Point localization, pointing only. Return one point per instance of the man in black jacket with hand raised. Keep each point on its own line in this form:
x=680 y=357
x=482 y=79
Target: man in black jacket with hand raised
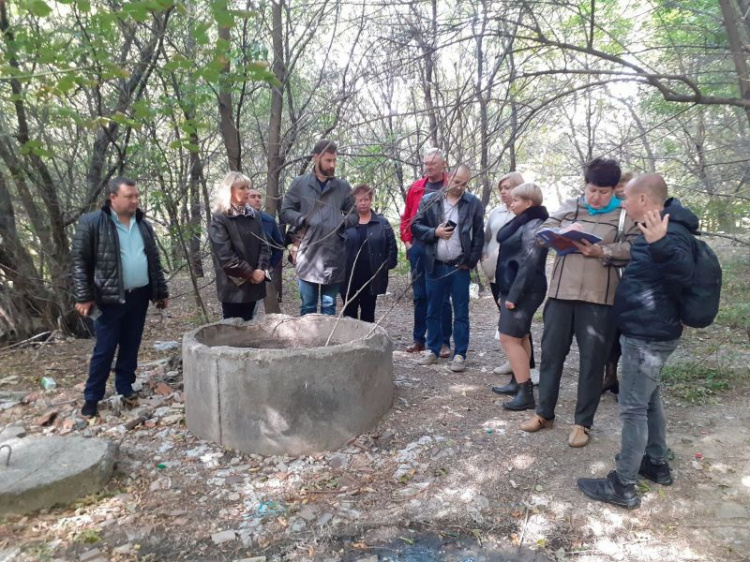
x=647 y=312
x=116 y=271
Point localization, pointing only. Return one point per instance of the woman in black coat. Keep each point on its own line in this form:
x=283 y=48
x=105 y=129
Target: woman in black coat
x=240 y=252
x=521 y=283
x=370 y=253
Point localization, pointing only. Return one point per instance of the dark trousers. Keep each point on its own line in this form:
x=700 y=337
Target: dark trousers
x=419 y=289
x=362 y=305
x=118 y=328
x=244 y=310
x=594 y=329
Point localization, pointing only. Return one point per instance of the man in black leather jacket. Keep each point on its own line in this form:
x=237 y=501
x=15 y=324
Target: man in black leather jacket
x=116 y=271
x=450 y=224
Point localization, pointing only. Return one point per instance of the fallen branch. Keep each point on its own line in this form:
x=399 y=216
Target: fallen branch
x=24 y=342
x=135 y=422
x=728 y=237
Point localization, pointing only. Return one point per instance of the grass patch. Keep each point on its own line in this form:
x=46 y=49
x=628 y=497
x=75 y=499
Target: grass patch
x=89 y=536
x=697 y=383
x=735 y=294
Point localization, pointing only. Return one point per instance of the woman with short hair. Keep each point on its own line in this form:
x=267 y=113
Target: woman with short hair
x=580 y=297
x=521 y=283
x=240 y=252
x=370 y=253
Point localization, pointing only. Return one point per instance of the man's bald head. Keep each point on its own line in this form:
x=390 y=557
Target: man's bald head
x=644 y=193
x=652 y=185
x=458 y=179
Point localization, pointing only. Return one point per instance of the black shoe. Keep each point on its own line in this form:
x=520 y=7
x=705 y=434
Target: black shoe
x=90 y=409
x=511 y=388
x=609 y=490
x=610 y=379
x=524 y=399
x=658 y=473
x=130 y=400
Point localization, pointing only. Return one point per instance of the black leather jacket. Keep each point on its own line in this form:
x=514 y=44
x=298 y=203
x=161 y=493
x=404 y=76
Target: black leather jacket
x=96 y=260
x=471 y=223
x=239 y=247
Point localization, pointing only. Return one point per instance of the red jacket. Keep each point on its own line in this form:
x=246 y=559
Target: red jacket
x=413 y=197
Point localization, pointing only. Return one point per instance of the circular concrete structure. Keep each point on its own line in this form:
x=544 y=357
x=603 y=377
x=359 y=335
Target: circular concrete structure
x=272 y=386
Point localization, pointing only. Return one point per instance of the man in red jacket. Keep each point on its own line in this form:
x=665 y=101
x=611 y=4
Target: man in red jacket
x=434 y=178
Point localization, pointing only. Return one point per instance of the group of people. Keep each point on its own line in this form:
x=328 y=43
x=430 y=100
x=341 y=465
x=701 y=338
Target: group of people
x=340 y=246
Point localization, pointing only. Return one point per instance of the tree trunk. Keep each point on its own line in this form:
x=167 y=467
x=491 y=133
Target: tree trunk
x=229 y=131
x=275 y=155
x=732 y=18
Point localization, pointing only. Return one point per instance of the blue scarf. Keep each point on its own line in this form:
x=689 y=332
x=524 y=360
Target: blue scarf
x=614 y=203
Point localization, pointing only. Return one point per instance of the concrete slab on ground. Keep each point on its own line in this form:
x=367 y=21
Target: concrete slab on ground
x=48 y=471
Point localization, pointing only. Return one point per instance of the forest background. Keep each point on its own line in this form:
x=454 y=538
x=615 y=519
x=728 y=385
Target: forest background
x=175 y=94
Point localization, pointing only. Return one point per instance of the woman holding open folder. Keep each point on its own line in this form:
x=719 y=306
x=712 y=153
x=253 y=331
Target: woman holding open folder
x=580 y=295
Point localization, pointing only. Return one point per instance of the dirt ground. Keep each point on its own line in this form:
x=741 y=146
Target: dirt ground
x=446 y=475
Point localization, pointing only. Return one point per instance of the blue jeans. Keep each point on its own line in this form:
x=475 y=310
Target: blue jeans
x=309 y=293
x=419 y=289
x=644 y=426
x=447 y=280
x=119 y=328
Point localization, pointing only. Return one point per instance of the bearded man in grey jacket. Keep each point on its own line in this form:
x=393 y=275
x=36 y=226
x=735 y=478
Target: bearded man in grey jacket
x=319 y=208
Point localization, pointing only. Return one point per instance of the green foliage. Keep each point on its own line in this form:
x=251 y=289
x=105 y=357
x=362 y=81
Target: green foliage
x=735 y=294
x=697 y=382
x=89 y=536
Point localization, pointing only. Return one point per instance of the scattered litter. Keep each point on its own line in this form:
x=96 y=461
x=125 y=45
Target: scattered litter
x=166 y=345
x=265 y=509
x=48 y=383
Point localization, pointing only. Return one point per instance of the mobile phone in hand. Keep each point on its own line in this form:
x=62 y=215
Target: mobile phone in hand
x=450 y=224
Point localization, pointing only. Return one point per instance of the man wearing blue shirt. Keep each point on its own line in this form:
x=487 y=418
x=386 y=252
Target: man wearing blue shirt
x=116 y=271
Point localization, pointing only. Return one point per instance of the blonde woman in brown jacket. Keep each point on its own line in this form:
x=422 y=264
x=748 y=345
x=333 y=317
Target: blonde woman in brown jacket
x=580 y=297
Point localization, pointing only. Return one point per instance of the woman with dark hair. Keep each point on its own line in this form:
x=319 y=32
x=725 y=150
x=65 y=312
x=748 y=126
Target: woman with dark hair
x=370 y=253
x=580 y=297
x=521 y=283
x=240 y=252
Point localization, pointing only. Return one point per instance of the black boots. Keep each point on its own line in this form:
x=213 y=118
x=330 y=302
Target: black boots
x=659 y=473
x=610 y=379
x=511 y=388
x=90 y=409
x=609 y=490
x=524 y=399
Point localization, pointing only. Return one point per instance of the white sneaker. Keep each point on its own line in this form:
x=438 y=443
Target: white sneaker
x=503 y=369
x=429 y=359
x=458 y=364
x=535 y=376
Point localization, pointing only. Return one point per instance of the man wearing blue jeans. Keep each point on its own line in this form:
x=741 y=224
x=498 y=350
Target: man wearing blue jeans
x=319 y=208
x=450 y=224
x=647 y=312
x=116 y=271
x=434 y=180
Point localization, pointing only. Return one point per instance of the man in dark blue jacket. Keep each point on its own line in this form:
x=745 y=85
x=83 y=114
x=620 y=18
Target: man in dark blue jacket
x=450 y=224
x=647 y=312
x=270 y=228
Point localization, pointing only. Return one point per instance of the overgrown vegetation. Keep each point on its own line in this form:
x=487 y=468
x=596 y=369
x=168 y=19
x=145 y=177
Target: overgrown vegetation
x=735 y=307
x=697 y=383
